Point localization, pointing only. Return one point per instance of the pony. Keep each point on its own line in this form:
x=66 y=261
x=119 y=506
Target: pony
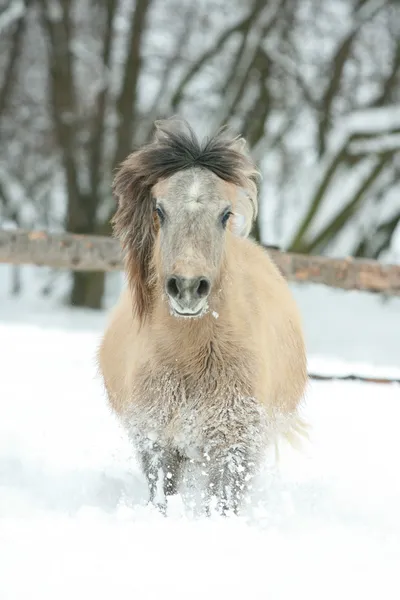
x=203 y=358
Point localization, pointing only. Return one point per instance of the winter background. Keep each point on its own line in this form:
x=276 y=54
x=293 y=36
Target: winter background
x=314 y=87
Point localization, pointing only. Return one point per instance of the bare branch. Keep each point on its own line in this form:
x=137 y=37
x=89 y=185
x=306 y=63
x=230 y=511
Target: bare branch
x=288 y=66
x=97 y=137
x=267 y=144
x=14 y=54
x=126 y=101
x=318 y=196
x=63 y=102
x=11 y=14
x=9 y=211
x=160 y=105
x=373 y=245
x=333 y=228
x=328 y=173
x=386 y=230
x=341 y=56
x=252 y=60
x=391 y=83
x=254 y=122
x=366 y=12
x=242 y=27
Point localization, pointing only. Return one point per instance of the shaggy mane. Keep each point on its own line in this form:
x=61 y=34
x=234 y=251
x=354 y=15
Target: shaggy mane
x=174 y=148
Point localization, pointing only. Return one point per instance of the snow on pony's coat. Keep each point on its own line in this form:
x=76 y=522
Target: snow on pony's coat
x=212 y=391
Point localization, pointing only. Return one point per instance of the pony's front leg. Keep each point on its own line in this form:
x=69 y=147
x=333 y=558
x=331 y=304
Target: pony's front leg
x=151 y=461
x=173 y=466
x=162 y=467
x=229 y=479
x=234 y=449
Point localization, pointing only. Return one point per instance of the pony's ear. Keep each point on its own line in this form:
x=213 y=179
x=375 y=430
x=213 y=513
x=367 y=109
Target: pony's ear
x=173 y=126
x=239 y=144
x=243 y=214
x=133 y=224
x=246 y=202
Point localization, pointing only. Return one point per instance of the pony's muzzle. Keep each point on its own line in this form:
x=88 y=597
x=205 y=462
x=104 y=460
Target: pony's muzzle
x=188 y=295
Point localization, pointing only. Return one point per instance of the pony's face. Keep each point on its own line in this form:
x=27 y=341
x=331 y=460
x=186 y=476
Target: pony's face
x=194 y=210
x=177 y=200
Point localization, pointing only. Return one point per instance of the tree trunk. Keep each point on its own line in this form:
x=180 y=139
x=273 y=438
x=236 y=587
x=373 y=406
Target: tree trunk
x=87 y=289
x=88 y=286
x=255 y=232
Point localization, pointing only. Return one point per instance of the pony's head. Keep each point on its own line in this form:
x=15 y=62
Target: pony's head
x=178 y=200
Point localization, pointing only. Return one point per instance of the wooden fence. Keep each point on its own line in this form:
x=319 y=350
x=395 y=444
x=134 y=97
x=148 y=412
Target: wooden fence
x=96 y=253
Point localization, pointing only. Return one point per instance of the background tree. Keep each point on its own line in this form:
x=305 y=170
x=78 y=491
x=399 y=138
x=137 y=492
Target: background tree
x=314 y=87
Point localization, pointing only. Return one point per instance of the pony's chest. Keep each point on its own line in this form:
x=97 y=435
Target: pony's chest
x=209 y=377
x=172 y=405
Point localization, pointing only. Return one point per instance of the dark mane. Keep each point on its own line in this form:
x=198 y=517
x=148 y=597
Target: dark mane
x=174 y=148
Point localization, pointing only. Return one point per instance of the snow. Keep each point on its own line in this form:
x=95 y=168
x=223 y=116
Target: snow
x=11 y=14
x=322 y=523
x=383 y=143
x=373 y=120
x=350 y=329
x=369 y=9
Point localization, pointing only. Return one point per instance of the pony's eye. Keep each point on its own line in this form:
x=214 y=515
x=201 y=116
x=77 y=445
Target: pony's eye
x=225 y=218
x=160 y=214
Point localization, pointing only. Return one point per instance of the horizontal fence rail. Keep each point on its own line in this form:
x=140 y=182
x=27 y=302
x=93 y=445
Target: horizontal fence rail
x=362 y=378
x=98 y=253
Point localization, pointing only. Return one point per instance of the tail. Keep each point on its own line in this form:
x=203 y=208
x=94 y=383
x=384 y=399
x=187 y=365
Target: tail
x=296 y=432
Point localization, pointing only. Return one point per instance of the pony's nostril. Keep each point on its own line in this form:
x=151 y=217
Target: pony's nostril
x=203 y=287
x=172 y=287
x=187 y=291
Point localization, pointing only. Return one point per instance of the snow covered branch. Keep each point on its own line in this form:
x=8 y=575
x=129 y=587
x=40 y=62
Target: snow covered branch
x=375 y=131
x=96 y=253
x=15 y=14
x=12 y=14
x=243 y=27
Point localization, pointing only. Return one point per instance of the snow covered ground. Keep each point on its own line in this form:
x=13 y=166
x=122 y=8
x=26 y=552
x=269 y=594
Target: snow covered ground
x=324 y=523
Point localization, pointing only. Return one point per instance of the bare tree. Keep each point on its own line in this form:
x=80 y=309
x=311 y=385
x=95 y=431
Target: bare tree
x=81 y=84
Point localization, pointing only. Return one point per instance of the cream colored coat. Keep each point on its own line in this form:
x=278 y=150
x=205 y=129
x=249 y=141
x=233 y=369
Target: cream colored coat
x=248 y=345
